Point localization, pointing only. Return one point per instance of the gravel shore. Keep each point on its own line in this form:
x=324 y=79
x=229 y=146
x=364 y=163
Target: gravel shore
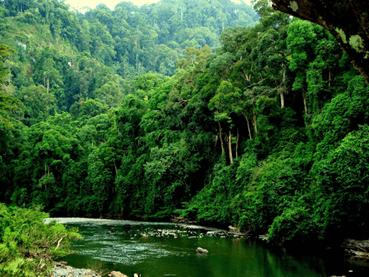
x=71 y=220
x=68 y=220
x=67 y=271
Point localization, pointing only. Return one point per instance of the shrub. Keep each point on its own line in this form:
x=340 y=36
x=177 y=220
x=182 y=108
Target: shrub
x=296 y=223
x=341 y=186
x=273 y=186
x=28 y=246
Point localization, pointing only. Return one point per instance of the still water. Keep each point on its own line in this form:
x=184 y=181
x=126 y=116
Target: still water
x=154 y=250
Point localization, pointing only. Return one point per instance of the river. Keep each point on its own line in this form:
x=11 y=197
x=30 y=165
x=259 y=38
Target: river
x=154 y=250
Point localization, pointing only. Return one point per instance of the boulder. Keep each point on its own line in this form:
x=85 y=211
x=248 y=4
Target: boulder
x=233 y=229
x=117 y=274
x=200 y=250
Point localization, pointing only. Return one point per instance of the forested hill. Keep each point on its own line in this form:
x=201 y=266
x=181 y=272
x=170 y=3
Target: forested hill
x=115 y=45
x=132 y=39
x=183 y=108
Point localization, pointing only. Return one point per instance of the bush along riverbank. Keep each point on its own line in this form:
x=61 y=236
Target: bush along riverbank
x=28 y=246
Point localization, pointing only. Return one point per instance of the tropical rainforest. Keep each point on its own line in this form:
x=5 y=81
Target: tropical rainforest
x=210 y=110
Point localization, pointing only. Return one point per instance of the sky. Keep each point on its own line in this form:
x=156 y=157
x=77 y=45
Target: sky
x=79 y=4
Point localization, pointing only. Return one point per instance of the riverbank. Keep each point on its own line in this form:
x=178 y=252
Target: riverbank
x=63 y=270
x=101 y=221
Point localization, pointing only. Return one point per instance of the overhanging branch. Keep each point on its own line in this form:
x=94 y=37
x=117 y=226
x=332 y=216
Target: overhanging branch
x=346 y=20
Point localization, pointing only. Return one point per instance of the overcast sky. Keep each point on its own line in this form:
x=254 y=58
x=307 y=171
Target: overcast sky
x=79 y=4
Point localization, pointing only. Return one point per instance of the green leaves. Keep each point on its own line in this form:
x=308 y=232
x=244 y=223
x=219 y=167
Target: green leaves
x=7 y=101
x=137 y=142
x=296 y=223
x=341 y=181
x=226 y=101
x=28 y=246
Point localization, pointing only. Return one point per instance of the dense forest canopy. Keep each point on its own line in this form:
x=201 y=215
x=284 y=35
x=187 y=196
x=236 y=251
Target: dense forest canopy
x=205 y=109
x=113 y=45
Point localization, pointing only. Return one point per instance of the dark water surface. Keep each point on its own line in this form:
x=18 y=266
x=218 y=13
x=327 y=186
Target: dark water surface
x=139 y=249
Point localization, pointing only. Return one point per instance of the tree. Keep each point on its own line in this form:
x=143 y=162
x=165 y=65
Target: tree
x=37 y=103
x=228 y=100
x=346 y=21
x=300 y=40
x=50 y=73
x=7 y=102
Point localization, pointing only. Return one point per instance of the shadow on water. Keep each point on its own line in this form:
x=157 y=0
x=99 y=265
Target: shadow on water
x=166 y=250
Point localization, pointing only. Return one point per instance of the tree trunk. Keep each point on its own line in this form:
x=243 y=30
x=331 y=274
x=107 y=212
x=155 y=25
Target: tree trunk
x=221 y=138
x=48 y=85
x=282 y=99
x=230 y=147
x=283 y=81
x=238 y=137
x=254 y=117
x=9 y=76
x=305 y=105
x=116 y=169
x=248 y=125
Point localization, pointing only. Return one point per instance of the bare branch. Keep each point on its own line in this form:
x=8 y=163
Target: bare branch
x=60 y=242
x=254 y=84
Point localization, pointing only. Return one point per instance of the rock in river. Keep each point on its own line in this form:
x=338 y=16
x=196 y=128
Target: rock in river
x=200 y=250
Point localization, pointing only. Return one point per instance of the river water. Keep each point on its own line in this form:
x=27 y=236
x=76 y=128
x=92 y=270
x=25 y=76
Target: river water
x=154 y=250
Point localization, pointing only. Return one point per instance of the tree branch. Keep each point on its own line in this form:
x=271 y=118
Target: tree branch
x=254 y=84
x=60 y=242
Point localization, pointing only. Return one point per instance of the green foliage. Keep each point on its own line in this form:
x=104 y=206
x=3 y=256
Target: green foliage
x=274 y=184
x=7 y=101
x=264 y=128
x=212 y=203
x=296 y=223
x=340 y=184
x=343 y=114
x=28 y=246
x=37 y=103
